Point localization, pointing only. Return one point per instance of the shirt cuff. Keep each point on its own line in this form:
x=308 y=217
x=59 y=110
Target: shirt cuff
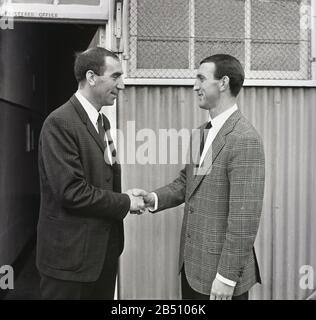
x=155 y=207
x=225 y=280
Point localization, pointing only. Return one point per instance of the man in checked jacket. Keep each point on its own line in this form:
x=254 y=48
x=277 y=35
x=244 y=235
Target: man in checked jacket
x=222 y=191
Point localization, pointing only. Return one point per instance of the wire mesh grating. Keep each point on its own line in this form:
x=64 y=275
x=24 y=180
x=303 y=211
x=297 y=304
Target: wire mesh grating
x=271 y=38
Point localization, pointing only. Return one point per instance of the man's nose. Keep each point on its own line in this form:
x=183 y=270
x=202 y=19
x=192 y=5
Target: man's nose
x=120 y=84
x=196 y=86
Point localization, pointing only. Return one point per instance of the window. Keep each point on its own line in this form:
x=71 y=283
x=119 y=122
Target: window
x=271 y=38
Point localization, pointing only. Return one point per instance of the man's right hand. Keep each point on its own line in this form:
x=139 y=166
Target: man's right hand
x=137 y=202
x=149 y=198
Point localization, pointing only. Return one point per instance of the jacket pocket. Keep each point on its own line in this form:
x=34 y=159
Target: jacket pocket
x=214 y=247
x=61 y=243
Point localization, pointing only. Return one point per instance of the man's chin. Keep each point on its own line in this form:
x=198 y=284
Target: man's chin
x=203 y=106
x=109 y=103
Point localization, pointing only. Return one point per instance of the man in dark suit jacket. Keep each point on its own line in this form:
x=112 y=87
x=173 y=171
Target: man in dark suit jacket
x=80 y=229
x=222 y=191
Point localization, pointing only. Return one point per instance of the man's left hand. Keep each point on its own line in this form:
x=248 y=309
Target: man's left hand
x=221 y=291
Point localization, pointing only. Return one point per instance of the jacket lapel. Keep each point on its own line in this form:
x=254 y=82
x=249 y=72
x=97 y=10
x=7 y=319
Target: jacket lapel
x=85 y=119
x=213 y=152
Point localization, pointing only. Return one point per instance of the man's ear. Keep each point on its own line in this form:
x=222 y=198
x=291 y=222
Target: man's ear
x=90 y=77
x=224 y=83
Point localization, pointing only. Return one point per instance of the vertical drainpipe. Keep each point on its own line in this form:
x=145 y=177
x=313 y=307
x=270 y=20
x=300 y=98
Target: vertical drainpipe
x=107 y=40
x=313 y=33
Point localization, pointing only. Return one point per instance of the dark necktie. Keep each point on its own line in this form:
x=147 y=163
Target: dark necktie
x=204 y=136
x=105 y=135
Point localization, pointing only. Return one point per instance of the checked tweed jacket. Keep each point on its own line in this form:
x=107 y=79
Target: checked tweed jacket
x=222 y=208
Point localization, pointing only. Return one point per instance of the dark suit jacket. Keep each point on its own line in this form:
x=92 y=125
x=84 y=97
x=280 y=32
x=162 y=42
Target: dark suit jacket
x=81 y=199
x=222 y=208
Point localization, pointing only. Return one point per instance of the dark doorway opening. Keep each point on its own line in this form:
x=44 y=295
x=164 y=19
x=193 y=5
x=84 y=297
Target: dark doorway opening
x=62 y=42
x=36 y=77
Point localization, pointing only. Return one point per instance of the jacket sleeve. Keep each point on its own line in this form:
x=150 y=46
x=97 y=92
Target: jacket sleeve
x=172 y=194
x=65 y=175
x=246 y=173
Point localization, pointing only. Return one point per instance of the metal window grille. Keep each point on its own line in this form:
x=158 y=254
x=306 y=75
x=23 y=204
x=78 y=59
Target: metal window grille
x=271 y=38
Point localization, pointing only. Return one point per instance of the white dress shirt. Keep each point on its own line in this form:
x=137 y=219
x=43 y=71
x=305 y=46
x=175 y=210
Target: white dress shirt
x=93 y=115
x=217 y=124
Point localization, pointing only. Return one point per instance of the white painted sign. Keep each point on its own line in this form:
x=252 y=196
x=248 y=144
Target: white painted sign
x=55 y=9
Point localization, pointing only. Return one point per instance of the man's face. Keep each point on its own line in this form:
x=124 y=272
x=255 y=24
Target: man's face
x=108 y=85
x=206 y=86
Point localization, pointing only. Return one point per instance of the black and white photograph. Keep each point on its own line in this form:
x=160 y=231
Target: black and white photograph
x=160 y=150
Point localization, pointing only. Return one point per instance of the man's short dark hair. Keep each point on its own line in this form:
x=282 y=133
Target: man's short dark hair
x=91 y=59
x=227 y=65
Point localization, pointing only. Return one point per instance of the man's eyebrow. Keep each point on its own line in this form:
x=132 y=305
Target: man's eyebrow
x=200 y=76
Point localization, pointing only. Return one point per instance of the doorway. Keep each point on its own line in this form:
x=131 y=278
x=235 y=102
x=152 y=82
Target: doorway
x=36 y=77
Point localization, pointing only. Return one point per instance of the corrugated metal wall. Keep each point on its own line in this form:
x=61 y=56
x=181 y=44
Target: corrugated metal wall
x=286 y=119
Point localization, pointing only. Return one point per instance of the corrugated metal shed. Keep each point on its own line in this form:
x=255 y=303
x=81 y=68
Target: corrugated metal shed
x=286 y=120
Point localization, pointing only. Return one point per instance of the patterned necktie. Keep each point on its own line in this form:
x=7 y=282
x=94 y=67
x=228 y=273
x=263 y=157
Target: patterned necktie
x=105 y=135
x=204 y=136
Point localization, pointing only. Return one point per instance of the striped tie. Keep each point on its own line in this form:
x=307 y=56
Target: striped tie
x=105 y=135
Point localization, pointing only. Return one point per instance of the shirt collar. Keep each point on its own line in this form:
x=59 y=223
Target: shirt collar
x=219 y=120
x=92 y=112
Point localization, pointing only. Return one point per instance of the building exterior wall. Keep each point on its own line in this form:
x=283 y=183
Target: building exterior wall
x=286 y=120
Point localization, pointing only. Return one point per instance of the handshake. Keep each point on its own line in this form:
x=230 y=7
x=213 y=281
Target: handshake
x=140 y=200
